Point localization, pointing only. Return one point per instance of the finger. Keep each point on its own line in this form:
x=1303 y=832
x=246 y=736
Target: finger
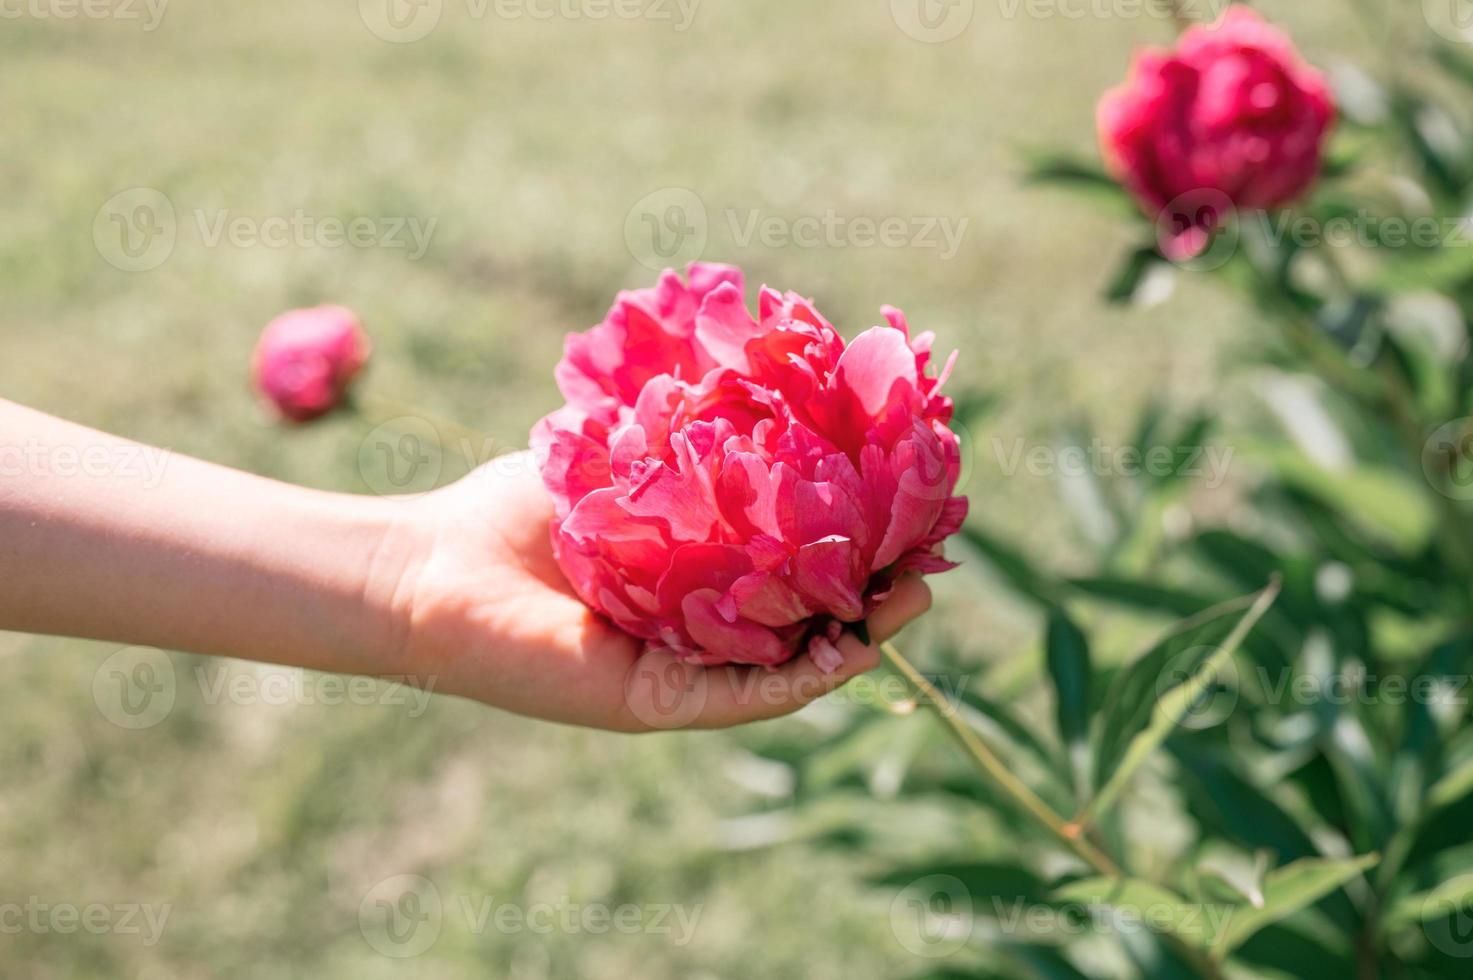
x=910 y=599
x=664 y=693
x=740 y=695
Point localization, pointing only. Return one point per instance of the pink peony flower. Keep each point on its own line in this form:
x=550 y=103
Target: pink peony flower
x=1233 y=118
x=734 y=489
x=306 y=359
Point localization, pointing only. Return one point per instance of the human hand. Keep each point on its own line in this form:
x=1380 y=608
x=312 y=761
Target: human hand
x=481 y=607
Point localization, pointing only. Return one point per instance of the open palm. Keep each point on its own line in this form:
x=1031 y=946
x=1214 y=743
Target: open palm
x=490 y=616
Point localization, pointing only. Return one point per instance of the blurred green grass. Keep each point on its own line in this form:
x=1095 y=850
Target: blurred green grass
x=528 y=142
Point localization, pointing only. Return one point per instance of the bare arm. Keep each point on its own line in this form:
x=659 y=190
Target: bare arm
x=106 y=539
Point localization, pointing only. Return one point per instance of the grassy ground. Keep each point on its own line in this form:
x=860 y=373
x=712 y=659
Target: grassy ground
x=530 y=144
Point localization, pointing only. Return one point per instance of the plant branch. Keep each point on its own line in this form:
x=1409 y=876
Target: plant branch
x=996 y=770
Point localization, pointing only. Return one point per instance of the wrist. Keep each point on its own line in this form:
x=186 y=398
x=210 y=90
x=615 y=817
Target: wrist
x=378 y=545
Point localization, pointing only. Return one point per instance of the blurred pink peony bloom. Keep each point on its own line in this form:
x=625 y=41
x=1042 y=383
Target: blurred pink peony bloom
x=306 y=359
x=1232 y=119
x=734 y=489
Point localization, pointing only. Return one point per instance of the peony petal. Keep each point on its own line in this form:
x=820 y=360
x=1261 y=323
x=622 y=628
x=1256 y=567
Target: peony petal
x=829 y=575
x=767 y=599
x=741 y=642
x=876 y=368
x=680 y=494
x=724 y=327
x=747 y=495
x=707 y=277
x=575 y=467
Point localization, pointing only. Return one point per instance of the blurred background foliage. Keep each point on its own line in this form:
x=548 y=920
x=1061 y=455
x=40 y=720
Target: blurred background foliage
x=529 y=142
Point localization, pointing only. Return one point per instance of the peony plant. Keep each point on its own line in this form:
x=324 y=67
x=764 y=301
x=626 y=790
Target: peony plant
x=1305 y=787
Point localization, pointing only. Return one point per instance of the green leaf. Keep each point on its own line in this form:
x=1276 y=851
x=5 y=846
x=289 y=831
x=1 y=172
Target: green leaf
x=1067 y=653
x=1084 y=177
x=1186 y=446
x=1407 y=271
x=1381 y=501
x=1426 y=124
x=997 y=723
x=1158 y=905
x=852 y=759
x=1056 y=168
x=1291 y=952
x=1013 y=566
x=1140 y=716
x=1452 y=786
x=1227 y=803
x=1144 y=596
x=1247 y=562
x=1128 y=284
x=1069 y=668
x=1362 y=776
x=1156 y=958
x=1453 y=61
x=982 y=882
x=1287 y=890
x=1045 y=963
x=1436 y=903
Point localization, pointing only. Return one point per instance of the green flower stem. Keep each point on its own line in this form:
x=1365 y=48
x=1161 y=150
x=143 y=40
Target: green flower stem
x=996 y=770
x=1072 y=835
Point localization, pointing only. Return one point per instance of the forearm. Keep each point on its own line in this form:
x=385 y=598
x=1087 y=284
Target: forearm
x=104 y=539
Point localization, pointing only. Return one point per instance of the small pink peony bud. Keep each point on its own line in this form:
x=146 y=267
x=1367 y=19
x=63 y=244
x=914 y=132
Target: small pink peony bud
x=306 y=359
x=1231 y=119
